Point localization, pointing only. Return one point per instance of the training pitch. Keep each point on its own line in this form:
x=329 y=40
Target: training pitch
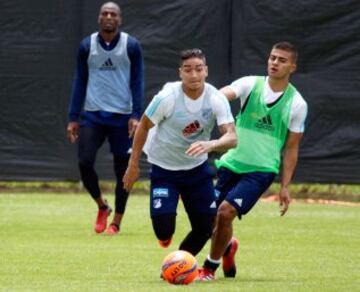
x=47 y=243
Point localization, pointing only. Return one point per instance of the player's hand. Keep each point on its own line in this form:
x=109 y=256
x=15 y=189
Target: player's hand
x=130 y=177
x=132 y=125
x=200 y=147
x=284 y=200
x=73 y=131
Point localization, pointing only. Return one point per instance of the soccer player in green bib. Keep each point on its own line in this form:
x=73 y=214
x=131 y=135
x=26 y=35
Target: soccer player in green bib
x=270 y=123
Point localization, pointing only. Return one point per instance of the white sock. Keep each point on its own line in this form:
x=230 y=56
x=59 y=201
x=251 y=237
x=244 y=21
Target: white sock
x=213 y=261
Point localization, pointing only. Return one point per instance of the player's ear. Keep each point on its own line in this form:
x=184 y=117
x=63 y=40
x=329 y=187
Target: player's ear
x=206 y=71
x=293 y=67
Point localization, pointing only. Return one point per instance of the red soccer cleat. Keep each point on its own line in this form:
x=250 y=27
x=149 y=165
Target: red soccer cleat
x=228 y=261
x=205 y=275
x=101 y=220
x=113 y=229
x=165 y=243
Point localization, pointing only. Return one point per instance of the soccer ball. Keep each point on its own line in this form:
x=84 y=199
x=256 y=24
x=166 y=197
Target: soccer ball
x=179 y=267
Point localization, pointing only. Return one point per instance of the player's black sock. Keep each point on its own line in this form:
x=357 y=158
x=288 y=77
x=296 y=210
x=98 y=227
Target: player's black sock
x=121 y=195
x=210 y=265
x=105 y=206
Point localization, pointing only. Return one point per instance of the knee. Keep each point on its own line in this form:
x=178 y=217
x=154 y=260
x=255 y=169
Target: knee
x=203 y=233
x=120 y=165
x=85 y=162
x=204 y=226
x=164 y=226
x=226 y=213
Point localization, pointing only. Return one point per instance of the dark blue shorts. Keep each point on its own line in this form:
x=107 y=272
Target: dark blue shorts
x=242 y=191
x=93 y=133
x=195 y=187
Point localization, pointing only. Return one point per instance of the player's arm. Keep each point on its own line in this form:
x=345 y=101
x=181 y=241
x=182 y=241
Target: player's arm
x=226 y=141
x=133 y=170
x=229 y=93
x=225 y=120
x=136 y=82
x=78 y=90
x=240 y=88
x=290 y=158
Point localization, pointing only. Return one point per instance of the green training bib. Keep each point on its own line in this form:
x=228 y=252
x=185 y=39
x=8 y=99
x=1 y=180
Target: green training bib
x=261 y=130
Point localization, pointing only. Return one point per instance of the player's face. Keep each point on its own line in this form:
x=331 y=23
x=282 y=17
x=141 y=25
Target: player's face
x=280 y=64
x=109 y=18
x=193 y=73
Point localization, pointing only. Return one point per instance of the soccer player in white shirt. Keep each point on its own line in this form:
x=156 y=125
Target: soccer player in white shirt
x=181 y=117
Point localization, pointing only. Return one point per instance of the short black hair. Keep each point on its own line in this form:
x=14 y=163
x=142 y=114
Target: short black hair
x=288 y=47
x=114 y=4
x=191 y=53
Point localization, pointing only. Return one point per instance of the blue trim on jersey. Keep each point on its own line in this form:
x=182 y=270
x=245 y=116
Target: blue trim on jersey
x=154 y=106
x=82 y=75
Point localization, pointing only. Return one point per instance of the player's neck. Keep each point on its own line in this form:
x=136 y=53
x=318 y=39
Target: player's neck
x=193 y=93
x=108 y=36
x=278 y=84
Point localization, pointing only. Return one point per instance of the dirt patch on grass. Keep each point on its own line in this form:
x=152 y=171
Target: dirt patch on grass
x=275 y=198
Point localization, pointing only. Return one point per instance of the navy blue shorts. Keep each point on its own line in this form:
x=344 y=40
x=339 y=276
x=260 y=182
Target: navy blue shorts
x=93 y=133
x=195 y=187
x=242 y=191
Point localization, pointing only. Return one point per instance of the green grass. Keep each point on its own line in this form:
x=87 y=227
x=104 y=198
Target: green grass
x=339 y=192
x=47 y=244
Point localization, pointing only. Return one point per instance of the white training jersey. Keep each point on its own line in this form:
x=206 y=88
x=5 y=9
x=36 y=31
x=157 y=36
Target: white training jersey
x=243 y=86
x=180 y=121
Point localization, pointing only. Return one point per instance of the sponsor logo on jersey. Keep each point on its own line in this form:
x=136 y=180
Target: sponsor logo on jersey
x=160 y=193
x=265 y=123
x=206 y=113
x=108 y=65
x=157 y=204
x=193 y=130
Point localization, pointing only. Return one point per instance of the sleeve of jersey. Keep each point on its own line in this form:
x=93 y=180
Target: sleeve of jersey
x=298 y=114
x=222 y=110
x=136 y=75
x=160 y=107
x=80 y=81
x=242 y=87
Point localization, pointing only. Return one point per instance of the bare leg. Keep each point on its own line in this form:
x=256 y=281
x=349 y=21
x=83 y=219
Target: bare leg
x=223 y=230
x=117 y=219
x=100 y=201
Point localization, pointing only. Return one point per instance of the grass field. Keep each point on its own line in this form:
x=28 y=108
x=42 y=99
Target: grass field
x=47 y=244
